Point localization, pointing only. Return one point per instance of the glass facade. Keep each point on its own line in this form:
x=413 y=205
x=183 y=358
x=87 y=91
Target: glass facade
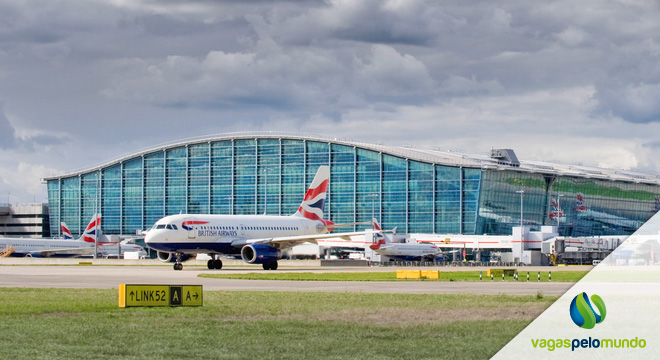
x=270 y=175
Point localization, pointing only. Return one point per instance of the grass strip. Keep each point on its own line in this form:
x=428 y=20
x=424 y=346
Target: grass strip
x=87 y=324
x=559 y=276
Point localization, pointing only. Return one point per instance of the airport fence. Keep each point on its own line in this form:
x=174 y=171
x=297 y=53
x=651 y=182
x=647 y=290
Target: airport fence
x=441 y=263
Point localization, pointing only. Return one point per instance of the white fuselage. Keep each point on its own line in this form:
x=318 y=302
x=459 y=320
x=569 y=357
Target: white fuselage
x=408 y=250
x=187 y=233
x=112 y=249
x=23 y=246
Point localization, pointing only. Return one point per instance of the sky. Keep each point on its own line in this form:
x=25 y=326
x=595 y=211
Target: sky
x=86 y=82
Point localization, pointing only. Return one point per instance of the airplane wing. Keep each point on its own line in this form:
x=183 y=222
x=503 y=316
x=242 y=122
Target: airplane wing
x=290 y=241
x=70 y=251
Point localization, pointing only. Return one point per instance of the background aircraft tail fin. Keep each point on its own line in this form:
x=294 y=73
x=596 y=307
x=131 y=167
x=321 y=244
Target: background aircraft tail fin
x=66 y=232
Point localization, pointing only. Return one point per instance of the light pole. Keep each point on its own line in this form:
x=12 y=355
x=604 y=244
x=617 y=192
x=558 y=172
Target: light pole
x=265 y=170
x=230 y=198
x=373 y=204
x=521 y=192
x=558 y=209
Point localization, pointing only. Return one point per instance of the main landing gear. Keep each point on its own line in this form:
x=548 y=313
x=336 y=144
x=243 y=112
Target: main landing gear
x=214 y=263
x=270 y=265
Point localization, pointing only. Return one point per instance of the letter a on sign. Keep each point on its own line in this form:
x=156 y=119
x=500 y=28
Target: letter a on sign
x=175 y=293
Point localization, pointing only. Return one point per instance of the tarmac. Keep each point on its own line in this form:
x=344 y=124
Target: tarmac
x=108 y=274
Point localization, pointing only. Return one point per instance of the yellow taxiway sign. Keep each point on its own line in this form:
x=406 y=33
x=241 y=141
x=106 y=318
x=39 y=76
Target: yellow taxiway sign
x=160 y=295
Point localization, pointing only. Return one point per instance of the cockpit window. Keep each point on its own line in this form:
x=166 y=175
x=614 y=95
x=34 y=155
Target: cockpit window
x=160 y=226
x=168 y=227
x=174 y=227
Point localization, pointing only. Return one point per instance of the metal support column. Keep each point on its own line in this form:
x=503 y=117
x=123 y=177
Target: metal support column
x=142 y=194
x=355 y=185
x=279 y=164
x=164 y=182
x=460 y=201
x=209 y=198
x=121 y=197
x=80 y=203
x=407 y=194
x=185 y=206
x=256 y=177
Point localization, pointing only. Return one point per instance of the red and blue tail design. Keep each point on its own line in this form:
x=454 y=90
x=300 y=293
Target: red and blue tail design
x=89 y=235
x=314 y=201
x=66 y=232
x=379 y=239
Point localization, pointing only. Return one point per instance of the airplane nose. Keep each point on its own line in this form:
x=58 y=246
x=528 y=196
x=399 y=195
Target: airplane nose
x=149 y=237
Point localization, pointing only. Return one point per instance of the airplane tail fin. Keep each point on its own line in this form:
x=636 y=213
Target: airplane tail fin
x=379 y=237
x=90 y=233
x=66 y=232
x=314 y=200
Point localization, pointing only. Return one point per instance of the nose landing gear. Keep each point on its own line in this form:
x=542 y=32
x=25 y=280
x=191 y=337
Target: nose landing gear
x=177 y=263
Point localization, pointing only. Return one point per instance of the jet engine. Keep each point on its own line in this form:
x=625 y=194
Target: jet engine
x=171 y=257
x=260 y=254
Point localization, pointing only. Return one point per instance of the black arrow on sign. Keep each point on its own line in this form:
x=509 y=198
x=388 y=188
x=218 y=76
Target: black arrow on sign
x=132 y=294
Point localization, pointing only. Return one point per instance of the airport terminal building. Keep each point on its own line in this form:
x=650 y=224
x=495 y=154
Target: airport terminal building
x=421 y=191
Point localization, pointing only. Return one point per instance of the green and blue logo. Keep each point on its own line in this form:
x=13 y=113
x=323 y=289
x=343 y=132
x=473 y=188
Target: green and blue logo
x=583 y=314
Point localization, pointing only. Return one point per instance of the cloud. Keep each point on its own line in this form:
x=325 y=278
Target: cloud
x=7 y=133
x=85 y=83
x=636 y=103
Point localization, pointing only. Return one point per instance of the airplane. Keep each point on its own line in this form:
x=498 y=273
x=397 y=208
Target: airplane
x=105 y=247
x=259 y=239
x=26 y=247
x=583 y=211
x=406 y=251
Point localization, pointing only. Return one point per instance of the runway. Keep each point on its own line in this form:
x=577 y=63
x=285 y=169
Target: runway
x=108 y=277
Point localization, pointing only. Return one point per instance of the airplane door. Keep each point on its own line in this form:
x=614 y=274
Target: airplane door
x=192 y=231
x=242 y=229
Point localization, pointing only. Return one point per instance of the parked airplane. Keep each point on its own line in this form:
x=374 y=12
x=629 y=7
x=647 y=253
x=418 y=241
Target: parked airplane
x=259 y=239
x=583 y=211
x=105 y=246
x=406 y=251
x=52 y=247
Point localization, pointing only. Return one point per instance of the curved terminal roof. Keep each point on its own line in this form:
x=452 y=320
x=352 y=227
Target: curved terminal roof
x=433 y=156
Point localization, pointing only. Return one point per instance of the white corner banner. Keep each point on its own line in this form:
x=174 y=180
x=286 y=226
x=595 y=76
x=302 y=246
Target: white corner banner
x=611 y=313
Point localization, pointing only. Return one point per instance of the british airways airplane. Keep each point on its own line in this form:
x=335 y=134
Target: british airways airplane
x=259 y=239
x=104 y=247
x=406 y=251
x=53 y=247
